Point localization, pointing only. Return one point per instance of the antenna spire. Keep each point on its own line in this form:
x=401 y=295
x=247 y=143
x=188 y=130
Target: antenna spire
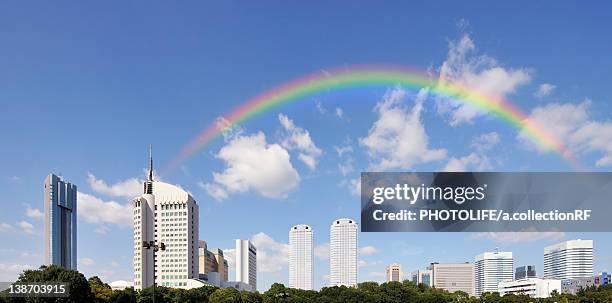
x=150 y=162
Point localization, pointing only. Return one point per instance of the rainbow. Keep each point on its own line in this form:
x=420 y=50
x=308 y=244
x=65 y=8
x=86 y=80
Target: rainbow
x=361 y=76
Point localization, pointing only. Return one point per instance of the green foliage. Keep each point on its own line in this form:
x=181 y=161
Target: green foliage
x=95 y=290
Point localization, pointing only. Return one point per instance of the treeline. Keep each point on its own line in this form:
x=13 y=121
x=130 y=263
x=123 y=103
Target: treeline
x=95 y=290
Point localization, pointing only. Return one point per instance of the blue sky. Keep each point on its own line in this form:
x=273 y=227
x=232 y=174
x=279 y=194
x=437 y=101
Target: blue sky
x=84 y=88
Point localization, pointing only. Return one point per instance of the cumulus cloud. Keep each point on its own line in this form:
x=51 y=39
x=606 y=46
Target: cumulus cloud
x=397 y=140
x=485 y=141
x=573 y=125
x=26 y=227
x=339 y=112
x=253 y=164
x=129 y=188
x=544 y=90
x=10 y=272
x=214 y=190
x=272 y=256
x=473 y=160
x=477 y=72
x=297 y=138
x=34 y=213
x=519 y=237
x=97 y=211
x=5 y=227
x=368 y=250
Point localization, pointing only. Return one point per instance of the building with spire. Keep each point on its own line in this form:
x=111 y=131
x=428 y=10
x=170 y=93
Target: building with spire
x=165 y=213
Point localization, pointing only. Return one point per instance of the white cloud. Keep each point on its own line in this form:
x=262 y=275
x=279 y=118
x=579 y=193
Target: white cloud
x=87 y=261
x=477 y=72
x=397 y=140
x=473 y=160
x=102 y=230
x=322 y=251
x=253 y=164
x=519 y=237
x=10 y=272
x=129 y=188
x=5 y=227
x=363 y=263
x=544 y=90
x=320 y=107
x=341 y=150
x=377 y=274
x=573 y=126
x=346 y=167
x=34 y=213
x=230 y=256
x=339 y=112
x=214 y=190
x=26 y=227
x=368 y=250
x=97 y=211
x=353 y=185
x=297 y=138
x=345 y=164
x=272 y=256
x=485 y=141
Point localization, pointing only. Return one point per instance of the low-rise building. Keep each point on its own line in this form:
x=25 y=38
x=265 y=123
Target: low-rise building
x=572 y=286
x=533 y=287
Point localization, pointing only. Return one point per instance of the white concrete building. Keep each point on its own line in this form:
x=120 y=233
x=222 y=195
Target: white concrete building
x=569 y=260
x=246 y=262
x=423 y=276
x=533 y=287
x=166 y=214
x=394 y=272
x=490 y=268
x=300 y=257
x=453 y=277
x=343 y=249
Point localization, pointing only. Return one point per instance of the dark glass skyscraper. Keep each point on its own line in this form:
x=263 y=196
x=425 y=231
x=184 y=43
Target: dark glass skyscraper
x=523 y=272
x=60 y=222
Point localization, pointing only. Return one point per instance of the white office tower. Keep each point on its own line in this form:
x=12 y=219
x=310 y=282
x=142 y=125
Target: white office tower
x=246 y=263
x=394 y=272
x=167 y=214
x=343 y=253
x=490 y=268
x=300 y=257
x=569 y=260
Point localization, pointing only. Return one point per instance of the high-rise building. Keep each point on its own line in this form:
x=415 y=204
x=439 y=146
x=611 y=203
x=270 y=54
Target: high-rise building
x=422 y=276
x=394 y=272
x=246 y=262
x=167 y=214
x=343 y=252
x=569 y=260
x=60 y=222
x=300 y=257
x=490 y=268
x=212 y=261
x=453 y=276
x=524 y=272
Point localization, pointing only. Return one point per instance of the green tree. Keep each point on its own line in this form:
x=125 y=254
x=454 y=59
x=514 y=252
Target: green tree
x=250 y=297
x=127 y=295
x=225 y=295
x=78 y=287
x=101 y=291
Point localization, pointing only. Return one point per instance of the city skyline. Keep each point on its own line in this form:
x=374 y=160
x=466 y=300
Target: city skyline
x=84 y=91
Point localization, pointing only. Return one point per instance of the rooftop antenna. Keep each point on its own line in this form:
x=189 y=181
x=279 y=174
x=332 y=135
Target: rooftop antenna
x=150 y=162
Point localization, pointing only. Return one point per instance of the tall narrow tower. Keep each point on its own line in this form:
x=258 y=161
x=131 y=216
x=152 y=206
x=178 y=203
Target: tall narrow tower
x=60 y=222
x=300 y=257
x=343 y=253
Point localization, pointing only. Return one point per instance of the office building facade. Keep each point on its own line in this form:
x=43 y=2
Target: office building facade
x=343 y=249
x=211 y=261
x=422 y=276
x=167 y=214
x=523 y=272
x=533 y=287
x=246 y=262
x=453 y=276
x=490 y=268
x=573 y=286
x=569 y=260
x=394 y=272
x=301 y=253
x=60 y=222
